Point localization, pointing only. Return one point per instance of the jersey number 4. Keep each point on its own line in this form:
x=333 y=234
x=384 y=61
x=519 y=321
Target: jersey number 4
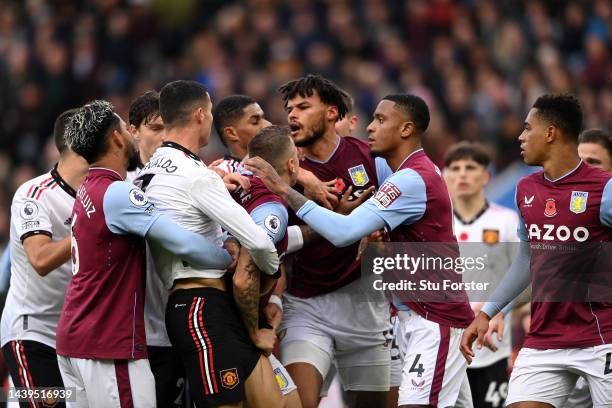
x=417 y=368
x=608 y=366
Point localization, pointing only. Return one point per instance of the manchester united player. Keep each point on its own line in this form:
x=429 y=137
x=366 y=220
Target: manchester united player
x=40 y=264
x=413 y=203
x=222 y=363
x=322 y=324
x=100 y=334
x=568 y=202
x=595 y=148
x=477 y=220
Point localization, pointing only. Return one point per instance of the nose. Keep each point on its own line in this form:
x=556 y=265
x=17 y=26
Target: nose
x=266 y=123
x=370 y=128
x=291 y=116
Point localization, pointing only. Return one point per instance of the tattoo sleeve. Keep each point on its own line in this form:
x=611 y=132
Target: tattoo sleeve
x=246 y=290
x=295 y=200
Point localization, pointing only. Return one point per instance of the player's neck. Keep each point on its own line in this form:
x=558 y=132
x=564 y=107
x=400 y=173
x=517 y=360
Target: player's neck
x=323 y=148
x=397 y=156
x=186 y=136
x=468 y=207
x=237 y=151
x=73 y=169
x=112 y=162
x=561 y=162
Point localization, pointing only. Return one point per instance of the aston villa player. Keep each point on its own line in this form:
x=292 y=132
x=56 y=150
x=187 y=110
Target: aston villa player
x=568 y=202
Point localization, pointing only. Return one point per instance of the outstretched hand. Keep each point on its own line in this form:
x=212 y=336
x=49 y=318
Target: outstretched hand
x=475 y=331
x=262 y=169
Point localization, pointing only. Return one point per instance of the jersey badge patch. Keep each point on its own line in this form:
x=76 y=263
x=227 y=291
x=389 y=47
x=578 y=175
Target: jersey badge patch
x=138 y=198
x=359 y=176
x=386 y=195
x=272 y=223
x=280 y=378
x=528 y=201
x=229 y=378
x=578 y=202
x=490 y=236
x=551 y=207
x=29 y=210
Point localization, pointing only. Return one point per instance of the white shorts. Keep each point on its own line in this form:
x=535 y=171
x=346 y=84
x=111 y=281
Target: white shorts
x=396 y=358
x=549 y=376
x=434 y=369
x=339 y=326
x=284 y=380
x=580 y=397
x=108 y=383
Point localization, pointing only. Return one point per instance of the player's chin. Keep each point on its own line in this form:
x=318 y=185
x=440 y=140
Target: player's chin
x=374 y=152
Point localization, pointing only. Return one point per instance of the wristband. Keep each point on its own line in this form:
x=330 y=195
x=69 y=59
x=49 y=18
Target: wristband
x=277 y=301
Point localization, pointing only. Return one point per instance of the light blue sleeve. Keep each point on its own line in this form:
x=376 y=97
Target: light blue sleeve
x=273 y=218
x=127 y=209
x=513 y=283
x=521 y=230
x=401 y=199
x=383 y=171
x=605 y=208
x=340 y=230
x=5 y=269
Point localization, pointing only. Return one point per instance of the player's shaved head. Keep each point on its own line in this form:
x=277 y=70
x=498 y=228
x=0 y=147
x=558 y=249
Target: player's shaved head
x=59 y=130
x=562 y=111
x=273 y=144
x=88 y=128
x=144 y=109
x=413 y=107
x=178 y=100
x=228 y=110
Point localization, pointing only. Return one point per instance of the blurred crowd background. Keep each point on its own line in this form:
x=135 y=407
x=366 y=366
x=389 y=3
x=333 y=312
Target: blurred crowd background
x=479 y=64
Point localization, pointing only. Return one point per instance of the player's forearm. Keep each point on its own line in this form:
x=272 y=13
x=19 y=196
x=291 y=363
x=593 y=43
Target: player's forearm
x=246 y=282
x=49 y=256
x=340 y=230
x=189 y=246
x=515 y=281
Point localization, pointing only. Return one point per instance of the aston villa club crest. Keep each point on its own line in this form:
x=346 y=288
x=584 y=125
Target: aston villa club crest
x=359 y=176
x=578 y=201
x=550 y=210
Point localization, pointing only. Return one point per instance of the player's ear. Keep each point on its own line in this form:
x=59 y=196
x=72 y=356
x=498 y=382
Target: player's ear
x=134 y=132
x=198 y=115
x=487 y=177
x=117 y=139
x=230 y=134
x=353 y=122
x=332 y=113
x=407 y=129
x=551 y=133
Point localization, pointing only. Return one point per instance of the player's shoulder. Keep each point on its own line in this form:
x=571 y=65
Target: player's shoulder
x=530 y=179
x=33 y=189
x=497 y=209
x=595 y=174
x=355 y=145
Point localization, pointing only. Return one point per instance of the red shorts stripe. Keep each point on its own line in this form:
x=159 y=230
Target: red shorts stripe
x=123 y=384
x=19 y=368
x=210 y=353
x=27 y=368
x=436 y=385
x=198 y=345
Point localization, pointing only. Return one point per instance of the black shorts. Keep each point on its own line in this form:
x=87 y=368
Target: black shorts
x=33 y=365
x=169 y=376
x=489 y=384
x=204 y=326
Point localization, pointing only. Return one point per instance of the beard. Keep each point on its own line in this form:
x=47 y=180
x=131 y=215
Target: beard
x=374 y=154
x=133 y=160
x=315 y=135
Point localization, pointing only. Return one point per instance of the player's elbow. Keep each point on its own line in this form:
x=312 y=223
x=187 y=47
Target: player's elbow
x=41 y=267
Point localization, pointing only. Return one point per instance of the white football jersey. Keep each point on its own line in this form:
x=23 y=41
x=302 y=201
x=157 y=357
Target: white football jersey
x=493 y=225
x=156 y=296
x=41 y=206
x=184 y=189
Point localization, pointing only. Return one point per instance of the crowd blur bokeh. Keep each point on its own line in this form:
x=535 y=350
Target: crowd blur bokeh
x=479 y=64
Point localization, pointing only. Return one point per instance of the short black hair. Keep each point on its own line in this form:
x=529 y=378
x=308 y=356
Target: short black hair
x=414 y=107
x=562 y=111
x=88 y=129
x=329 y=93
x=271 y=144
x=144 y=108
x=601 y=137
x=228 y=110
x=59 y=129
x=178 y=99
x=467 y=151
